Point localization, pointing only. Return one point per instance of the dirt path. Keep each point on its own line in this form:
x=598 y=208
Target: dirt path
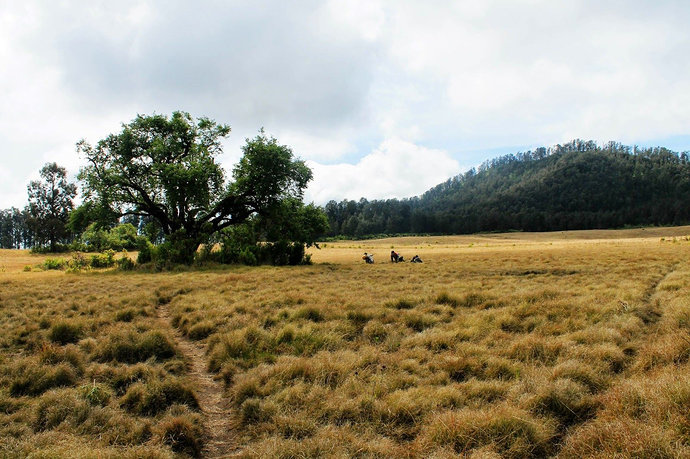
x=221 y=441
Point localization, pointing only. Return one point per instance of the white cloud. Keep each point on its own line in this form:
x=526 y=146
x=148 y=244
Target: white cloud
x=396 y=169
x=318 y=148
x=333 y=78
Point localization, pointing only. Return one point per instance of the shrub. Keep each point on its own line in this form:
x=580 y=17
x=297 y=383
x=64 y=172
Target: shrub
x=145 y=255
x=78 y=262
x=103 y=260
x=124 y=263
x=54 y=263
x=65 y=332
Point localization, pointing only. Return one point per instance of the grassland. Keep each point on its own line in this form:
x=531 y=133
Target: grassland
x=573 y=344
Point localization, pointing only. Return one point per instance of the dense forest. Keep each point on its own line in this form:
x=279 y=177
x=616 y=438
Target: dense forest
x=579 y=185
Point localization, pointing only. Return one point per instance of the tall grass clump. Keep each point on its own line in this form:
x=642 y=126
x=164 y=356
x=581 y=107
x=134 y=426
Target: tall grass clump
x=182 y=430
x=65 y=332
x=132 y=347
x=568 y=401
x=154 y=397
x=508 y=431
x=32 y=378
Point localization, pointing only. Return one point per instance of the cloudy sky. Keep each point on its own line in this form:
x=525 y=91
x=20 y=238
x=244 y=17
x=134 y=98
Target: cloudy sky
x=382 y=98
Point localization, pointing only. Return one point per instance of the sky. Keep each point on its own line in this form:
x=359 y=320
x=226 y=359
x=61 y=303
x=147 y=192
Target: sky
x=381 y=98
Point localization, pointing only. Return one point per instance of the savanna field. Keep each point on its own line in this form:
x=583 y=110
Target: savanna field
x=568 y=344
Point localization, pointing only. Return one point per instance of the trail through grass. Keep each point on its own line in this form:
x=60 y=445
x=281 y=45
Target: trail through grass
x=221 y=439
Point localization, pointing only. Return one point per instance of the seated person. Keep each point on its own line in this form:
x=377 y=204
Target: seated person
x=416 y=259
x=368 y=257
x=394 y=256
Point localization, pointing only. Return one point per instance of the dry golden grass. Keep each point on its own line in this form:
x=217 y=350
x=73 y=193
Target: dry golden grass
x=573 y=344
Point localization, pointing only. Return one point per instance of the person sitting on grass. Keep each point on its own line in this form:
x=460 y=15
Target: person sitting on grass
x=416 y=259
x=394 y=257
x=368 y=258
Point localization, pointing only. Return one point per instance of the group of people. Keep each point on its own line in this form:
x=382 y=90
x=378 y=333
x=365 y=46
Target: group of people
x=395 y=258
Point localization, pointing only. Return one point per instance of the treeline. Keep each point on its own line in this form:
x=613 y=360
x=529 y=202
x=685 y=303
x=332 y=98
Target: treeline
x=579 y=185
x=14 y=229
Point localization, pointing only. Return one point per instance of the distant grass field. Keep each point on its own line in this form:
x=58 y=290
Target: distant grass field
x=568 y=344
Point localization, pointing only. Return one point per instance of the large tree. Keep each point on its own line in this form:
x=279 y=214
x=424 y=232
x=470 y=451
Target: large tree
x=50 y=202
x=165 y=168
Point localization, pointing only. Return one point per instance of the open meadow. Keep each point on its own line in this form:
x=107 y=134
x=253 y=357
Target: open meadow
x=568 y=344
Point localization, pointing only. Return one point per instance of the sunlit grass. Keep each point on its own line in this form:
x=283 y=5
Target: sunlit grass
x=519 y=345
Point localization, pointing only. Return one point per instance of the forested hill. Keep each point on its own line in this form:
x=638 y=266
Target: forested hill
x=578 y=185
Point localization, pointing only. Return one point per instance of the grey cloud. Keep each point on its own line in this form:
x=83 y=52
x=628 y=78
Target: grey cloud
x=266 y=64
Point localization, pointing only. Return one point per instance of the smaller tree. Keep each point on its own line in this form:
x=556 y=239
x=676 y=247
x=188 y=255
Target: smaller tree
x=50 y=202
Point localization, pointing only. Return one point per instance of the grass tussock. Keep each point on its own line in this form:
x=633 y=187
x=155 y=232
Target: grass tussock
x=152 y=398
x=132 y=346
x=507 y=431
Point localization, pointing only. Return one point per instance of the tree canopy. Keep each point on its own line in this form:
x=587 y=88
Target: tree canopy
x=50 y=202
x=165 y=169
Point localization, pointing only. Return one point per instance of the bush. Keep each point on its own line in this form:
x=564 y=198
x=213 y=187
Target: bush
x=124 y=263
x=120 y=237
x=54 y=263
x=145 y=253
x=103 y=260
x=78 y=262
